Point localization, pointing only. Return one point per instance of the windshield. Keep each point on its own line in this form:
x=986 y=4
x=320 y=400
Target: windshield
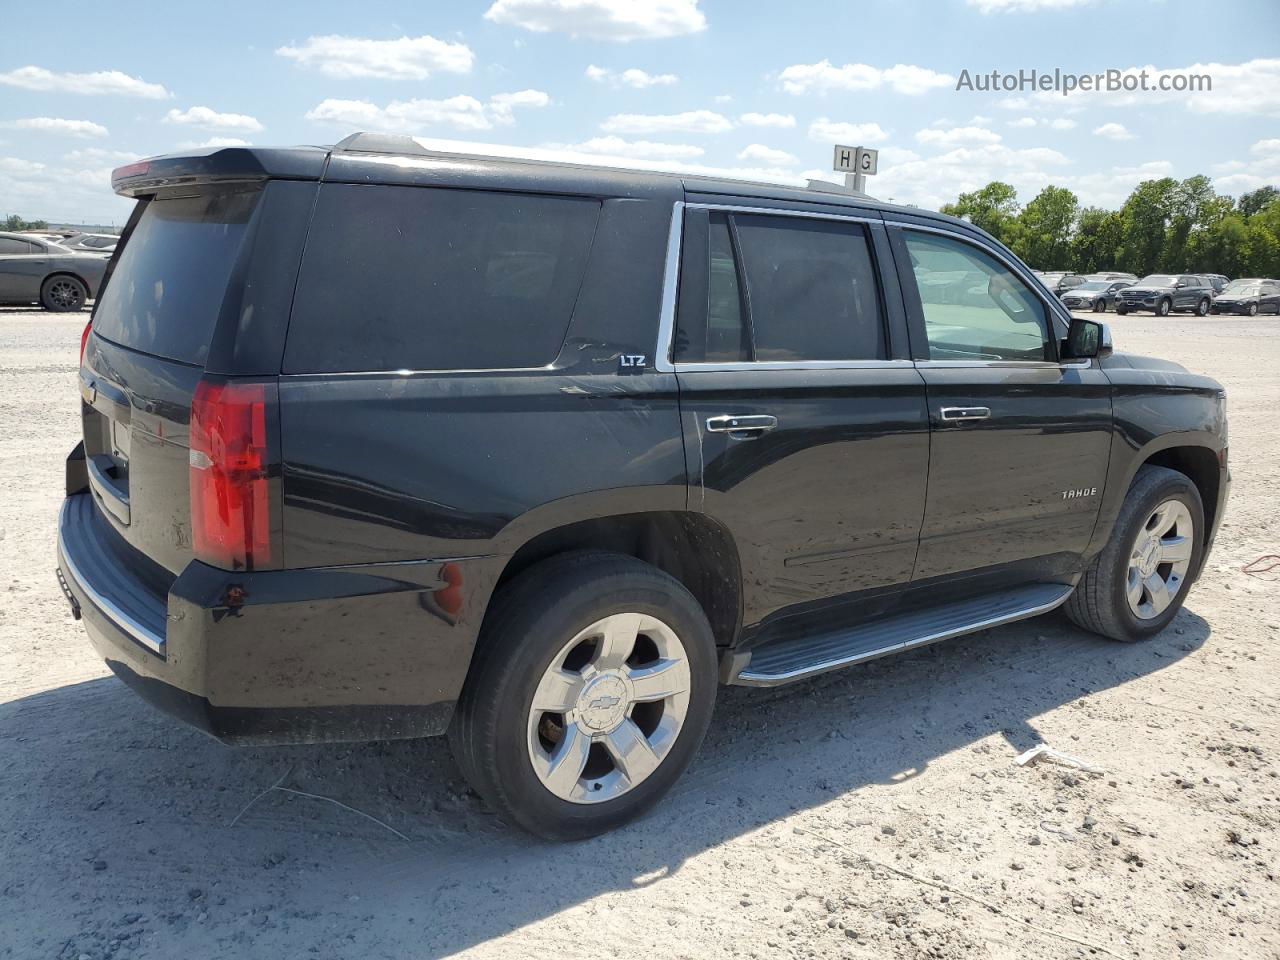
x=1094 y=285
x=1242 y=286
x=1158 y=280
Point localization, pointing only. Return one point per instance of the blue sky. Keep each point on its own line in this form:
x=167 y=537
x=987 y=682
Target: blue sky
x=750 y=88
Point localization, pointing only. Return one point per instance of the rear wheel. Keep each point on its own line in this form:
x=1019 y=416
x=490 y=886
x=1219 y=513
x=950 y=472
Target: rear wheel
x=63 y=294
x=1137 y=583
x=1202 y=308
x=1253 y=310
x=1100 y=305
x=1164 y=307
x=592 y=688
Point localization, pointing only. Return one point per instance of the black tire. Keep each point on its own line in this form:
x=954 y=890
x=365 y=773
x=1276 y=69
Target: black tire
x=1253 y=310
x=1099 y=603
x=1121 y=310
x=1164 y=307
x=527 y=625
x=1099 y=306
x=63 y=294
x=1202 y=308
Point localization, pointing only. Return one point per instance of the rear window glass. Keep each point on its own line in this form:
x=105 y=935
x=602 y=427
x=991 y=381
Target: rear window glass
x=172 y=276
x=426 y=278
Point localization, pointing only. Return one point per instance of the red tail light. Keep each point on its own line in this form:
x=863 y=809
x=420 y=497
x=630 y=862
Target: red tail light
x=230 y=491
x=84 y=338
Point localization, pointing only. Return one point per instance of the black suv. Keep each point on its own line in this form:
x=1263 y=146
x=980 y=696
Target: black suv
x=582 y=445
x=1163 y=293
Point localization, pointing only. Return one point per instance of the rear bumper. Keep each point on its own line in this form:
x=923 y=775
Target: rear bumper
x=372 y=652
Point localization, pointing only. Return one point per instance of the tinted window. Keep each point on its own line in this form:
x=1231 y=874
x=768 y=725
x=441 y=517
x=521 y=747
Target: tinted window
x=172 y=276
x=433 y=279
x=811 y=289
x=974 y=307
x=11 y=247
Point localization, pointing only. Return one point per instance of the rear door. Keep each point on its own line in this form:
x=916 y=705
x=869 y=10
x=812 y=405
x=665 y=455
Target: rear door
x=1020 y=441
x=805 y=426
x=23 y=264
x=188 y=295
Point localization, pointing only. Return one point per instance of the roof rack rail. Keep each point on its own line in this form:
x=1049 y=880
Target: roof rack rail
x=380 y=143
x=826 y=186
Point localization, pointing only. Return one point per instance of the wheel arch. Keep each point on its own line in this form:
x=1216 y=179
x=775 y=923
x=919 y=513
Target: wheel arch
x=691 y=547
x=63 y=272
x=1200 y=464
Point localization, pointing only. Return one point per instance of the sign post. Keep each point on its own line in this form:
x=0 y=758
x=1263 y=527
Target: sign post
x=856 y=163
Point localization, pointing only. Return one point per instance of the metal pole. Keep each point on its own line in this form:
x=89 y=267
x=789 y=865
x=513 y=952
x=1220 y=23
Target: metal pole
x=856 y=181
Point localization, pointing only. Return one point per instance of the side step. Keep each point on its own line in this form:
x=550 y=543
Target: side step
x=797 y=658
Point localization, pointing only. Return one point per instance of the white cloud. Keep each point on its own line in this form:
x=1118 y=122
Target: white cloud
x=1267 y=148
x=777 y=120
x=937 y=179
x=408 y=58
x=824 y=77
x=759 y=153
x=723 y=97
x=1024 y=6
x=1260 y=170
x=619 y=20
x=212 y=142
x=855 y=134
x=955 y=136
x=77 y=189
x=1058 y=123
x=72 y=128
x=691 y=121
x=212 y=120
x=410 y=116
x=1023 y=122
x=634 y=77
x=1113 y=131
x=85 y=156
x=638 y=149
x=101 y=82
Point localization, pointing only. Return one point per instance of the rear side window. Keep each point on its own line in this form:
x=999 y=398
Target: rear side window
x=11 y=247
x=171 y=278
x=434 y=279
x=783 y=289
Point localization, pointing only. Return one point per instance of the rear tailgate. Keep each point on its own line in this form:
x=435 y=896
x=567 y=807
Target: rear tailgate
x=186 y=298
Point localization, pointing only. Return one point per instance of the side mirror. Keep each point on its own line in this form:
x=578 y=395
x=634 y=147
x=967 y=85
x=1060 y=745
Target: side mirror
x=1086 y=339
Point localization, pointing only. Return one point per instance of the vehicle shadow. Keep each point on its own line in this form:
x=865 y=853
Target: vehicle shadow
x=114 y=811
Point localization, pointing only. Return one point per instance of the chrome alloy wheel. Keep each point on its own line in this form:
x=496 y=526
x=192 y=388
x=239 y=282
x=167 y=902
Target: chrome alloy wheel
x=1160 y=559
x=609 y=708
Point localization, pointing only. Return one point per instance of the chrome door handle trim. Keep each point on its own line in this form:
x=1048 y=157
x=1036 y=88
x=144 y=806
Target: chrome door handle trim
x=964 y=414
x=743 y=427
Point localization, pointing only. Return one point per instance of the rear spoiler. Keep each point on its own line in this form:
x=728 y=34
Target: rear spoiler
x=218 y=165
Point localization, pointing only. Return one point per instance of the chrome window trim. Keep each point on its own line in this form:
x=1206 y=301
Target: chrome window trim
x=1012 y=364
x=776 y=211
x=670 y=278
x=793 y=365
x=109 y=609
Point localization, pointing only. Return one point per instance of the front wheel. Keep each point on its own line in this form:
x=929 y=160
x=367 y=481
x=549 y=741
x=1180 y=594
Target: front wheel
x=1137 y=583
x=1202 y=308
x=63 y=294
x=1253 y=310
x=592 y=688
x=1121 y=310
x=1164 y=307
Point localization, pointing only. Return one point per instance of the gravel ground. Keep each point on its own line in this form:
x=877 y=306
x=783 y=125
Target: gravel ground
x=875 y=813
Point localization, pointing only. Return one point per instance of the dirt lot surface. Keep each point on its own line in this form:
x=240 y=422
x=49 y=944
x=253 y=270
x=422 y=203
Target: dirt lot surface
x=876 y=813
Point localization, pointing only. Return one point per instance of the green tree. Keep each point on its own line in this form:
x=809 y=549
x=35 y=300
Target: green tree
x=1044 y=229
x=1252 y=202
x=993 y=208
x=1193 y=206
x=1145 y=218
x=1096 y=243
x=14 y=223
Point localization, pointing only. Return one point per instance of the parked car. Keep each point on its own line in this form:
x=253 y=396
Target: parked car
x=1217 y=281
x=40 y=271
x=1058 y=282
x=1112 y=275
x=1250 y=297
x=1095 y=295
x=91 y=242
x=1163 y=293
x=601 y=440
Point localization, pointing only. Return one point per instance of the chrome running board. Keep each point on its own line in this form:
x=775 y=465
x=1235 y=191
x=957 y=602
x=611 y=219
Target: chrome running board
x=798 y=658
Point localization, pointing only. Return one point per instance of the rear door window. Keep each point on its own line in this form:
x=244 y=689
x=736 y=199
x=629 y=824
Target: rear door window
x=426 y=278
x=171 y=278
x=783 y=289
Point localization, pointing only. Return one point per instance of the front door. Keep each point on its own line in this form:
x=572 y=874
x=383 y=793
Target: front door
x=804 y=420
x=1020 y=441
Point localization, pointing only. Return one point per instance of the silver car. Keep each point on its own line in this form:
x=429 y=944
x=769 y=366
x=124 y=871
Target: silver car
x=41 y=271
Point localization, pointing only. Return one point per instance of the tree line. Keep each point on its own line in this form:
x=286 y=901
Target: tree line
x=1165 y=226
